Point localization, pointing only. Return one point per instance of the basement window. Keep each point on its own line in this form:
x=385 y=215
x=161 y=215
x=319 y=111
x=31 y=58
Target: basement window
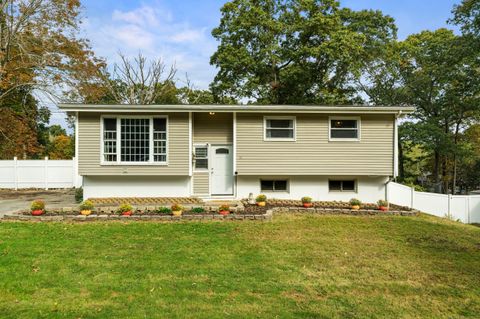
x=274 y=185
x=342 y=186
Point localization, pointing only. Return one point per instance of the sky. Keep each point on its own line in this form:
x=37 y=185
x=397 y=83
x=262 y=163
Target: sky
x=179 y=31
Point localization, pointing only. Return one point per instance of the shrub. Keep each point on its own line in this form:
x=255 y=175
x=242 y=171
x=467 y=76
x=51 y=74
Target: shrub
x=355 y=202
x=261 y=198
x=163 y=210
x=306 y=199
x=198 y=210
x=125 y=207
x=223 y=208
x=176 y=207
x=38 y=205
x=78 y=195
x=382 y=202
x=87 y=205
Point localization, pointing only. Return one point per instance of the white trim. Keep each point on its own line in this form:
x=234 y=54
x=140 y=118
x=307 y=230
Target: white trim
x=395 y=147
x=118 y=118
x=336 y=139
x=359 y=109
x=273 y=139
x=77 y=147
x=190 y=146
x=234 y=154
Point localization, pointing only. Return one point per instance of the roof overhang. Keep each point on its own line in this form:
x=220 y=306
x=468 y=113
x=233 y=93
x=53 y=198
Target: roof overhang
x=128 y=108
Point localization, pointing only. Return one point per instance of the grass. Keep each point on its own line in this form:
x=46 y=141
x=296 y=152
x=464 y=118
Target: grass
x=298 y=266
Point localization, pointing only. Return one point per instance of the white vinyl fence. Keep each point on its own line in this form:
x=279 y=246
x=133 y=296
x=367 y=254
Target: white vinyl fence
x=39 y=174
x=465 y=208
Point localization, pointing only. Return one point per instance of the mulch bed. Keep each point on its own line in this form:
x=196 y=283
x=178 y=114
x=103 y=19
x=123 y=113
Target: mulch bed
x=137 y=201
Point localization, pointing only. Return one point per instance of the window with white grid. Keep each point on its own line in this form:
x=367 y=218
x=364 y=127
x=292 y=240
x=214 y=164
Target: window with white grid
x=159 y=140
x=134 y=140
x=110 y=140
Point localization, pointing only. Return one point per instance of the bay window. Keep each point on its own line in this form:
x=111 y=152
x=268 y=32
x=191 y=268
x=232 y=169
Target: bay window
x=129 y=140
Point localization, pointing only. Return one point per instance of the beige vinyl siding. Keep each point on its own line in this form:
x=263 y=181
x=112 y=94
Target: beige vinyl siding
x=312 y=153
x=213 y=129
x=201 y=183
x=89 y=137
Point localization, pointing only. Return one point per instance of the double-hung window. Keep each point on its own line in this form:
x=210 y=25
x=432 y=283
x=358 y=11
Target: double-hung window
x=346 y=129
x=130 y=140
x=201 y=157
x=279 y=128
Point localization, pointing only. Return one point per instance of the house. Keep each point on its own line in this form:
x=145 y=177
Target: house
x=230 y=151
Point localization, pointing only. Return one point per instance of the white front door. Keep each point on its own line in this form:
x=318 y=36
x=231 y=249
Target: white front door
x=221 y=170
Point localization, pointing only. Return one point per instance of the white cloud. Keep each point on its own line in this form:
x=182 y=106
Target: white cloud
x=157 y=34
x=188 y=36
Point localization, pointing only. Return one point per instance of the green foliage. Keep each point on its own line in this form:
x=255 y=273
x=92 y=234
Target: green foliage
x=37 y=205
x=306 y=199
x=223 y=208
x=125 y=207
x=467 y=16
x=78 y=194
x=197 y=210
x=355 y=202
x=177 y=207
x=87 y=205
x=382 y=203
x=295 y=52
x=163 y=210
x=261 y=198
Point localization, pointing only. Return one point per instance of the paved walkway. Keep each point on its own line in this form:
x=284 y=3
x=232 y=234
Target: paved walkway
x=11 y=200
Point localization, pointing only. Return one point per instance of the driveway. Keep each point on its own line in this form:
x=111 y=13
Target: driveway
x=12 y=200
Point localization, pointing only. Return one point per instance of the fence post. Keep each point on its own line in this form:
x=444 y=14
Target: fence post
x=46 y=172
x=15 y=172
x=467 y=207
x=412 y=197
x=74 y=173
x=449 y=212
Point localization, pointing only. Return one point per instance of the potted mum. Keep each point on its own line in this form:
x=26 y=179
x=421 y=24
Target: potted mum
x=382 y=205
x=355 y=204
x=38 y=207
x=125 y=209
x=86 y=207
x=224 y=210
x=307 y=202
x=261 y=200
x=177 y=210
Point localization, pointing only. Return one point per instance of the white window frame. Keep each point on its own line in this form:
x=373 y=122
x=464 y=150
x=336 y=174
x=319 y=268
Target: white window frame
x=355 y=185
x=339 y=139
x=274 y=180
x=203 y=170
x=276 y=139
x=119 y=136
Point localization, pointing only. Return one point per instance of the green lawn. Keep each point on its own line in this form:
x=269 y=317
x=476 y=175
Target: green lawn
x=294 y=267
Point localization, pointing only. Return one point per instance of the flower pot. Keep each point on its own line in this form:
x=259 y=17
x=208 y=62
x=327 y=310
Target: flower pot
x=261 y=203
x=307 y=205
x=355 y=207
x=383 y=208
x=37 y=212
x=224 y=212
x=129 y=213
x=86 y=212
x=177 y=213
